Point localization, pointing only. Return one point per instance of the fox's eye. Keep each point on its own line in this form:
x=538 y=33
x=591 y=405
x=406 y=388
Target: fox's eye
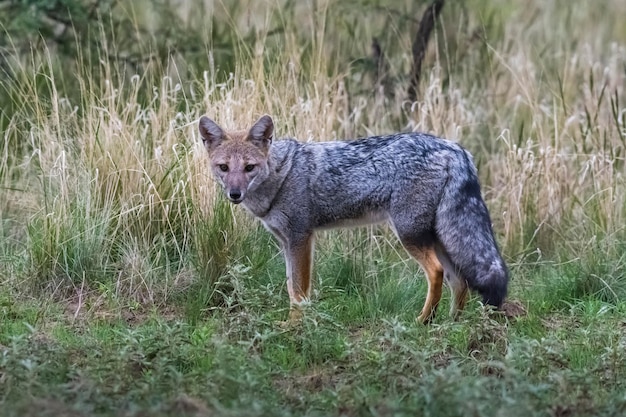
x=223 y=167
x=249 y=168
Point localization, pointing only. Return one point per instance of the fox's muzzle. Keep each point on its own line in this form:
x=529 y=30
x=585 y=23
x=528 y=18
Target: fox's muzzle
x=235 y=196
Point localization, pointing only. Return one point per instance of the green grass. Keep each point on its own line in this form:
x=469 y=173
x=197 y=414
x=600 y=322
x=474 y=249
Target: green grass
x=355 y=353
x=241 y=362
x=130 y=287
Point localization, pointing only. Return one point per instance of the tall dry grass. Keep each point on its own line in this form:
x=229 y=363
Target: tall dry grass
x=105 y=185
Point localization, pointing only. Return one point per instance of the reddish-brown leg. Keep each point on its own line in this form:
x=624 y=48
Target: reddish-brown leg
x=427 y=258
x=298 y=259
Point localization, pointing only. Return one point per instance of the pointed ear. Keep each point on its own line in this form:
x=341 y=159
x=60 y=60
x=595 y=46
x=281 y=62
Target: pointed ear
x=262 y=132
x=212 y=135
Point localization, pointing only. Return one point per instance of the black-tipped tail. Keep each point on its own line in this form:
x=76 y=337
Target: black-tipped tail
x=464 y=229
x=493 y=287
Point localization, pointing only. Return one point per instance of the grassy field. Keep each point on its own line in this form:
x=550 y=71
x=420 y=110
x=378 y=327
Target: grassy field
x=130 y=287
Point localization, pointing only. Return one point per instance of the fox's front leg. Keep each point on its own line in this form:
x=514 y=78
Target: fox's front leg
x=298 y=259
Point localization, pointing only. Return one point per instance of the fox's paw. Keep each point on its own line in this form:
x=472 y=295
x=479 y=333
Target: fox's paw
x=425 y=317
x=296 y=314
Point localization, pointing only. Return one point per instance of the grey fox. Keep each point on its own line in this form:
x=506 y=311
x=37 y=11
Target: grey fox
x=425 y=187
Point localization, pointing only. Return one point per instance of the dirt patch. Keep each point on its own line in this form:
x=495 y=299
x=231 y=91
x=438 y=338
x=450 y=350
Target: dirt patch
x=514 y=309
x=314 y=381
x=85 y=305
x=190 y=406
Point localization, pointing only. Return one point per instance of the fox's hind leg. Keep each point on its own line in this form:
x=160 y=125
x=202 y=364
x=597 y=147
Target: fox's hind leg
x=433 y=269
x=458 y=285
x=459 y=290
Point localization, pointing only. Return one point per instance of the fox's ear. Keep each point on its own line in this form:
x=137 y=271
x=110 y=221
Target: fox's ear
x=212 y=135
x=262 y=132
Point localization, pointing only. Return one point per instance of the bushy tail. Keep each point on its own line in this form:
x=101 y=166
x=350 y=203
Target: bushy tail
x=464 y=229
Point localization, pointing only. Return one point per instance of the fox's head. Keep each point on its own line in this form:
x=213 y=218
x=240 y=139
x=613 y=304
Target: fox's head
x=238 y=159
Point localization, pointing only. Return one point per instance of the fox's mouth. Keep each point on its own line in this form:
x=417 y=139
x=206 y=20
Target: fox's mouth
x=236 y=201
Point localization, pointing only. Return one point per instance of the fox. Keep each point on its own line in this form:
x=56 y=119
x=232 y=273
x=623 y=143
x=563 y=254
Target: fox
x=426 y=188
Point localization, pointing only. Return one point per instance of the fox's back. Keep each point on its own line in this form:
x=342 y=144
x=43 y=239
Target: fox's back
x=362 y=178
x=371 y=163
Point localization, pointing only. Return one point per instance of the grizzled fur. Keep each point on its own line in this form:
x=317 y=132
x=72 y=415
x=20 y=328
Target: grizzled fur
x=425 y=187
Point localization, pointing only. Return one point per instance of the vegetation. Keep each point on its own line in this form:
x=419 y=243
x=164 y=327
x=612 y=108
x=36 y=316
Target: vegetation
x=129 y=286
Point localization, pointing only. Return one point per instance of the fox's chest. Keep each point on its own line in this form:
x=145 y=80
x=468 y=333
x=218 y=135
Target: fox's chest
x=258 y=207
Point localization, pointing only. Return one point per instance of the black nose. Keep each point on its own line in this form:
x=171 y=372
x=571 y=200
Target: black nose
x=234 y=194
